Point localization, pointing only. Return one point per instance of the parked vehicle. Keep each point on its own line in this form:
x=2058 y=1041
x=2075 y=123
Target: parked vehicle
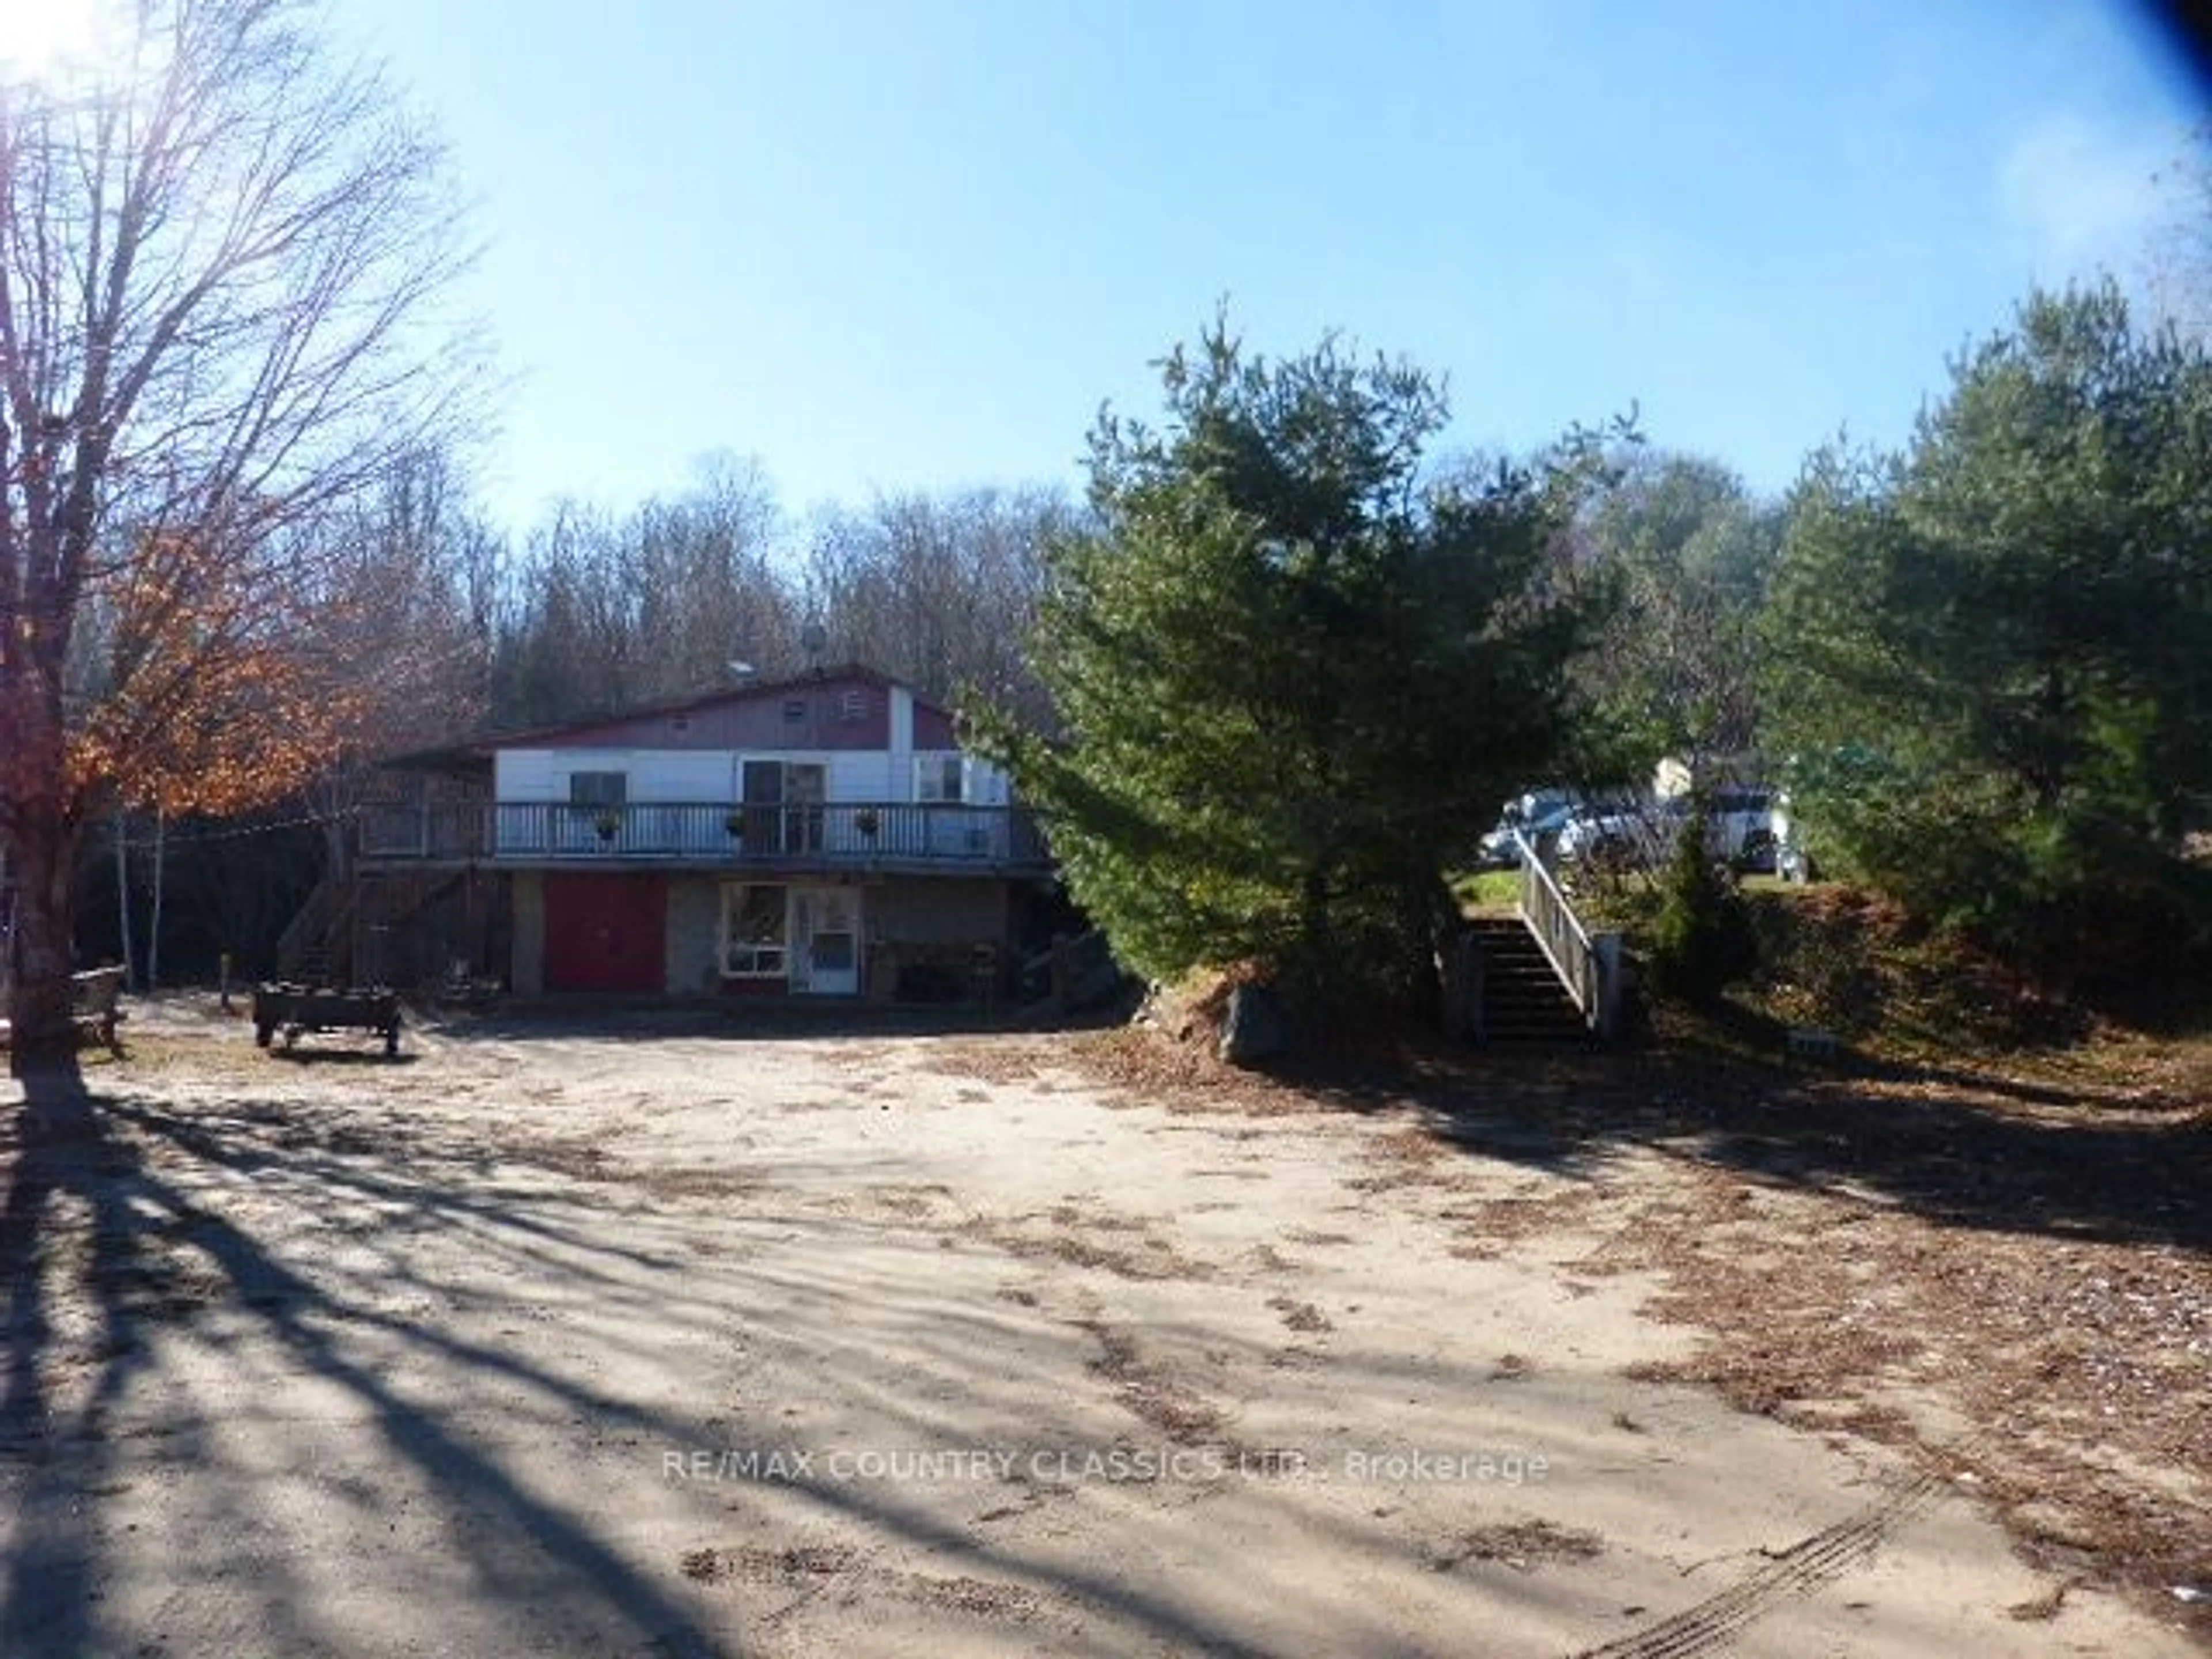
x=1739 y=831
x=1621 y=837
x=1538 y=815
x=1742 y=827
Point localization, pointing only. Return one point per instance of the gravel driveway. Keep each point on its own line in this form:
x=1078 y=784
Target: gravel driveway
x=657 y=1340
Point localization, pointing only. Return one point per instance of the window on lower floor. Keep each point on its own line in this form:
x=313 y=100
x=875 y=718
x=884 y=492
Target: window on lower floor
x=753 y=941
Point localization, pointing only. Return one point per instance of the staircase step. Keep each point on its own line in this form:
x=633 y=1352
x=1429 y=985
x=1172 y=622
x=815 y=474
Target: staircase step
x=1523 y=1003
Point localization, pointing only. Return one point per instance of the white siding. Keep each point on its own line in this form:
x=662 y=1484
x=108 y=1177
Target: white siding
x=527 y=774
x=672 y=775
x=898 y=764
x=655 y=775
x=677 y=775
x=861 y=775
x=533 y=785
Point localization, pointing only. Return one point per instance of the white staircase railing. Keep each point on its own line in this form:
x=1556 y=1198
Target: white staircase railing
x=1588 y=965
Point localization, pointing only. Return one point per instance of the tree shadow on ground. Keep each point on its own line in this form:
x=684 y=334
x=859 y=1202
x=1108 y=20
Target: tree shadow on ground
x=1959 y=1146
x=114 y=1212
x=81 y=1174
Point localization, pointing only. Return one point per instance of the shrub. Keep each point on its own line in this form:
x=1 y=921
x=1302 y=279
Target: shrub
x=1703 y=941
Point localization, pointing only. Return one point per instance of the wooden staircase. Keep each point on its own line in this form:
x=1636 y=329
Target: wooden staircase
x=1523 y=1003
x=308 y=951
x=359 y=928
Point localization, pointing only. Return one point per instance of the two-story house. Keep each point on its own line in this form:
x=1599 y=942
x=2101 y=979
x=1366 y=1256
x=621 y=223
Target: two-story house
x=824 y=836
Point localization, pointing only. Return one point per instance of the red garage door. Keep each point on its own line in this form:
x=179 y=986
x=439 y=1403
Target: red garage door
x=605 y=932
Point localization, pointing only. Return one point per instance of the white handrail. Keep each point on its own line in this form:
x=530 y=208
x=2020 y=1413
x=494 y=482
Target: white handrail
x=1566 y=944
x=1553 y=895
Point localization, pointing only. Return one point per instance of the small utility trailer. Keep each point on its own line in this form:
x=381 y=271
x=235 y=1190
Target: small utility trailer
x=297 y=1009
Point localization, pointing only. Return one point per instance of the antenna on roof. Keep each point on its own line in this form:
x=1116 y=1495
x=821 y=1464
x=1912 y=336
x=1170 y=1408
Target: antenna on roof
x=815 y=638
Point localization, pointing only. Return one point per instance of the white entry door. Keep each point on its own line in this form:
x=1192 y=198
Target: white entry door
x=825 y=940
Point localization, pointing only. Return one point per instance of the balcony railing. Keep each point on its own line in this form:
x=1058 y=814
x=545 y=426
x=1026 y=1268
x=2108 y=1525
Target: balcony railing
x=828 y=834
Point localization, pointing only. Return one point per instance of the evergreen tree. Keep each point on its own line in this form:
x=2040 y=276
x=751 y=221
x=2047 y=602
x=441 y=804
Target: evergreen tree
x=1702 y=940
x=1993 y=652
x=1293 y=679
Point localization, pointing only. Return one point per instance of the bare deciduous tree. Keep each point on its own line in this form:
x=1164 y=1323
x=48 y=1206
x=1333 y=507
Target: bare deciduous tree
x=403 y=616
x=405 y=592
x=1688 y=552
x=942 y=590
x=223 y=260
x=605 y=614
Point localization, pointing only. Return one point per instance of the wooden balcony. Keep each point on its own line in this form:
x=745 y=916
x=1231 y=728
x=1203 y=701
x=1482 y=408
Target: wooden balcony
x=895 y=836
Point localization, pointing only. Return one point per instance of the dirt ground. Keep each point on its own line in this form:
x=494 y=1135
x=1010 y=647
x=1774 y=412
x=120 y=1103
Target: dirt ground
x=661 y=1335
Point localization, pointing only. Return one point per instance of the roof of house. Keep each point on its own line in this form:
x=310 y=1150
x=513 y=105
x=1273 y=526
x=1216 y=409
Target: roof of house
x=474 y=754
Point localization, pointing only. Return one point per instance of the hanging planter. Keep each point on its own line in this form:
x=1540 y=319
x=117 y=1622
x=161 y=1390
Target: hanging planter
x=733 y=825
x=865 y=821
x=606 y=824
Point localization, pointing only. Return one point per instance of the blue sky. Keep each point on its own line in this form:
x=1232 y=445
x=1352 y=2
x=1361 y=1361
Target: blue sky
x=882 y=245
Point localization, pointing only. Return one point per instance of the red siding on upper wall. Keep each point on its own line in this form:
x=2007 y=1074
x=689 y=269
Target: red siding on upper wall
x=840 y=710
x=932 y=727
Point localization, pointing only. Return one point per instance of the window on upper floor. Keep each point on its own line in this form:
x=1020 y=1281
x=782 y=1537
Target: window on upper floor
x=599 y=788
x=937 y=778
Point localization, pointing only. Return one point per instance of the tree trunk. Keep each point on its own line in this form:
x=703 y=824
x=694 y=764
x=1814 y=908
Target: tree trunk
x=154 y=918
x=1446 y=977
x=1315 y=971
x=43 y=1035
x=121 y=822
x=42 y=843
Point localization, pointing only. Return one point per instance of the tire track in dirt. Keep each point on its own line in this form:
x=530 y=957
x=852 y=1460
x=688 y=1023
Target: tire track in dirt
x=805 y=1574
x=1802 y=1568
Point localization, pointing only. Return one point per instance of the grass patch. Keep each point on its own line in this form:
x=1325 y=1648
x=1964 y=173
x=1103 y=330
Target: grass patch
x=1488 y=891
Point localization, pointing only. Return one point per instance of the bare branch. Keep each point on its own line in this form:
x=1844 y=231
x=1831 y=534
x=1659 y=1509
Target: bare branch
x=222 y=256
